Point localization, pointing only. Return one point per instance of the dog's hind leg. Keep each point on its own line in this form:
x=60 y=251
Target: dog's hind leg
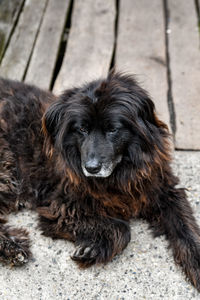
x=173 y=216
x=14 y=242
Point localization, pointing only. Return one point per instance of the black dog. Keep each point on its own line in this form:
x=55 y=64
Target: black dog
x=89 y=161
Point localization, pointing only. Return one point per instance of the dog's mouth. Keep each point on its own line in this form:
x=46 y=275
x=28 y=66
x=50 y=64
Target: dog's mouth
x=100 y=170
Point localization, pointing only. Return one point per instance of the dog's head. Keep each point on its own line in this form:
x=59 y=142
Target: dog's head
x=104 y=124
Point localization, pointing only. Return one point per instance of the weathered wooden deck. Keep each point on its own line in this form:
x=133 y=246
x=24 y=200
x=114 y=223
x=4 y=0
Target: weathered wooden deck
x=63 y=43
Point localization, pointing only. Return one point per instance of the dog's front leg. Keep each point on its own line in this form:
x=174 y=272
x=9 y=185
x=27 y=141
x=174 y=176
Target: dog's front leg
x=173 y=216
x=97 y=238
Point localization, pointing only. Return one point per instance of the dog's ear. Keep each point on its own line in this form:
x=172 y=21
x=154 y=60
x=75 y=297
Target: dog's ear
x=152 y=129
x=151 y=143
x=52 y=119
x=149 y=115
x=51 y=123
x=144 y=107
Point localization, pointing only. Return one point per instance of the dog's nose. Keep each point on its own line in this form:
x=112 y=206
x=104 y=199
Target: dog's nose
x=93 y=166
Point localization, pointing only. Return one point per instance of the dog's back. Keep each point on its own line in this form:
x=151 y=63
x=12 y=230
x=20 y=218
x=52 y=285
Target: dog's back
x=21 y=140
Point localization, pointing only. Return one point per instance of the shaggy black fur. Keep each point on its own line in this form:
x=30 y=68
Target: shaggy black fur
x=90 y=161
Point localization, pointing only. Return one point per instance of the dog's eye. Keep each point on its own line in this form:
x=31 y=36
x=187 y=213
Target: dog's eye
x=112 y=130
x=83 y=130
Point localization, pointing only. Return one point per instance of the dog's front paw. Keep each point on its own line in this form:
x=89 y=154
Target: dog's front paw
x=87 y=254
x=101 y=246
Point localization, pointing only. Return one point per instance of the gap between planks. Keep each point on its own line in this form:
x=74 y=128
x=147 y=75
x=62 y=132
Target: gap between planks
x=42 y=64
x=90 y=44
x=141 y=49
x=18 y=53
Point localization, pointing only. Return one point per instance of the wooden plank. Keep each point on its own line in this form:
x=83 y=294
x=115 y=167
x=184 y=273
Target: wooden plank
x=41 y=67
x=9 y=12
x=90 y=43
x=185 y=72
x=141 y=48
x=16 y=58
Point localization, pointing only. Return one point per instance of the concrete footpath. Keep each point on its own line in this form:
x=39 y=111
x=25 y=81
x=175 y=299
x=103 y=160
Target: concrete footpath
x=145 y=270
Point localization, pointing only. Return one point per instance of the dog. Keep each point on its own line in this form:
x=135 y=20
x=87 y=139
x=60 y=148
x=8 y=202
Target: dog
x=88 y=161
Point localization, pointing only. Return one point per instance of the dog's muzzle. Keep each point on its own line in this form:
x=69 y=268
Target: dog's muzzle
x=94 y=168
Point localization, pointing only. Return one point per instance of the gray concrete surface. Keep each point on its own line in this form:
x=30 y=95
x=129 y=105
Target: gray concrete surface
x=145 y=270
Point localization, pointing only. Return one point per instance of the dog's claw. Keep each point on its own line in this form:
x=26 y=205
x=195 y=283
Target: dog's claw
x=85 y=255
x=87 y=250
x=81 y=252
